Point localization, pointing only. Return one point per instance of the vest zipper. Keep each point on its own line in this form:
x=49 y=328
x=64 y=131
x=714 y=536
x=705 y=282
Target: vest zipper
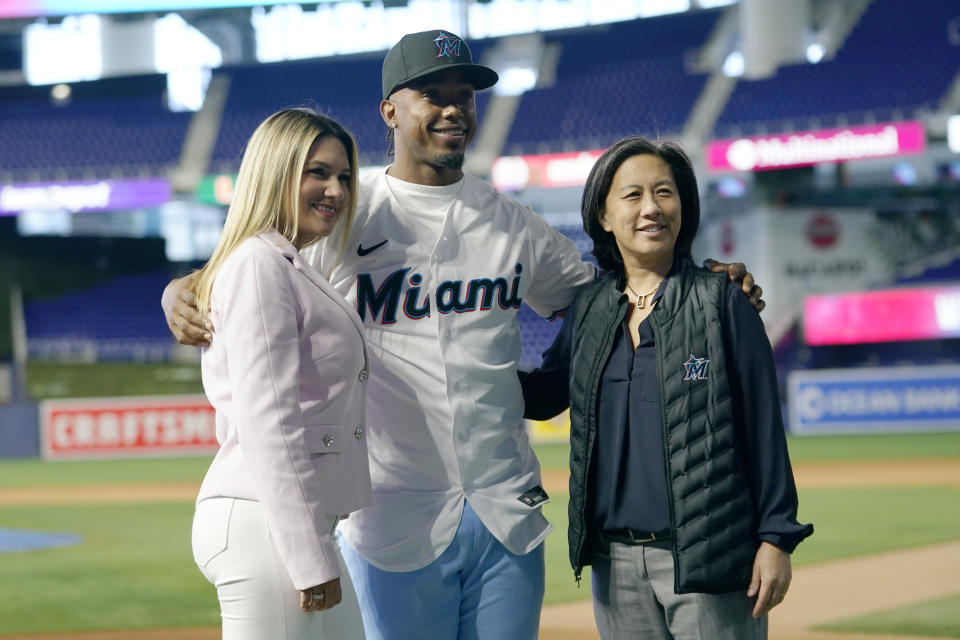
x=599 y=363
x=658 y=335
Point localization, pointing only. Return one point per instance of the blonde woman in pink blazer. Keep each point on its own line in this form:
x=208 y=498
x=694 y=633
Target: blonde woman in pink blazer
x=286 y=373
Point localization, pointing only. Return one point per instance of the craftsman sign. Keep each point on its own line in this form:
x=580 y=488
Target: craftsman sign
x=127 y=427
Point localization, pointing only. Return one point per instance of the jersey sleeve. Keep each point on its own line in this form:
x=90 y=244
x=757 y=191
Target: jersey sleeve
x=559 y=270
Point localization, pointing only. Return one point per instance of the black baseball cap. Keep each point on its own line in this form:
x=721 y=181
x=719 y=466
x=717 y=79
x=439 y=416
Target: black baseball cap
x=420 y=54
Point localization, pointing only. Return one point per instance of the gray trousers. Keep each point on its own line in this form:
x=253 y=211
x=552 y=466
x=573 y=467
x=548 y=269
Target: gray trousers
x=633 y=599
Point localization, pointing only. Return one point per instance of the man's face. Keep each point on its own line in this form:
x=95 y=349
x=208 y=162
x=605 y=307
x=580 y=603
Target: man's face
x=436 y=119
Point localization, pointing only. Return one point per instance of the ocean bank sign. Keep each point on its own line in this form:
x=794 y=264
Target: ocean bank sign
x=874 y=400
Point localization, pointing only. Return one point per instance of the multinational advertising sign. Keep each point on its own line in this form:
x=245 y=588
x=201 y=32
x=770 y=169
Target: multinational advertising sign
x=806 y=148
x=874 y=400
x=127 y=427
x=84 y=195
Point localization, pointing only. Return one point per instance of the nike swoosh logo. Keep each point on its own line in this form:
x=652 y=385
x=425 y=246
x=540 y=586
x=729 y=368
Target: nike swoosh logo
x=362 y=252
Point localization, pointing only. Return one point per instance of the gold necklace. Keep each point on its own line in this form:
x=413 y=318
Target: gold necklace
x=641 y=299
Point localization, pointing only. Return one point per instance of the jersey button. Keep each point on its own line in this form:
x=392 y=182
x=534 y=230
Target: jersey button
x=462 y=437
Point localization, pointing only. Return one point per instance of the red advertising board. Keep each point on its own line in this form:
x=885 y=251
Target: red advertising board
x=126 y=427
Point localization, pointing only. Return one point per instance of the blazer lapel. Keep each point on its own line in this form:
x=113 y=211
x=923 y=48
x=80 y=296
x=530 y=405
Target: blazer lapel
x=281 y=244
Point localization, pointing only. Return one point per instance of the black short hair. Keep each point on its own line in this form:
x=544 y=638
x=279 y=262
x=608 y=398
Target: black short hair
x=595 y=192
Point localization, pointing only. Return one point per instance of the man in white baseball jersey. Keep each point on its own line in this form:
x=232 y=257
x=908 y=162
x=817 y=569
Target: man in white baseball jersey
x=438 y=264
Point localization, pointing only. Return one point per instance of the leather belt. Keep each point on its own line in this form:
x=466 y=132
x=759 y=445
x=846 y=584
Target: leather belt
x=632 y=536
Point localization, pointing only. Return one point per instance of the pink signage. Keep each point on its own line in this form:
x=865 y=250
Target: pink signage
x=512 y=173
x=882 y=316
x=813 y=147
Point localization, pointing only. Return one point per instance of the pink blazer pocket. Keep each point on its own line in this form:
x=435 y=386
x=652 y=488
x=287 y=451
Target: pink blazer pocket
x=324 y=438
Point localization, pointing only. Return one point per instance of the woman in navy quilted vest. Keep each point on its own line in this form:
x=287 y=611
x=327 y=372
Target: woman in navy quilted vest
x=682 y=495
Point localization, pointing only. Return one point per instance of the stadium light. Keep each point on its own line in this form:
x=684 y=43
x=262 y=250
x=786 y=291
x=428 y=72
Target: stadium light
x=953 y=133
x=65 y=52
x=733 y=66
x=60 y=93
x=515 y=81
x=815 y=53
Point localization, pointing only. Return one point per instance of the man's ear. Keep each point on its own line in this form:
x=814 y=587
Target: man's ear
x=388 y=111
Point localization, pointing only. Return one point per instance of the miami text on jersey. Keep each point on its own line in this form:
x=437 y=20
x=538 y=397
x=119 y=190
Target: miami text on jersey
x=452 y=295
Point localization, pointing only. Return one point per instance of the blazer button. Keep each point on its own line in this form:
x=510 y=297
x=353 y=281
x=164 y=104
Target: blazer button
x=364 y=374
x=358 y=434
x=328 y=439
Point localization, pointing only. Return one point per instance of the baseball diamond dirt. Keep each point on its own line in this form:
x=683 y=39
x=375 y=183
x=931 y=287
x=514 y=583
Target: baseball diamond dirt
x=818 y=594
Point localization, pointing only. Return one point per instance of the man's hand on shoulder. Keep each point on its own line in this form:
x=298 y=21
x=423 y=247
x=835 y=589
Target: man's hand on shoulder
x=737 y=272
x=180 y=309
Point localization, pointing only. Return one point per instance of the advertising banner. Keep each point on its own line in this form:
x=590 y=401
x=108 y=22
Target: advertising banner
x=874 y=400
x=806 y=148
x=513 y=173
x=922 y=313
x=126 y=427
x=798 y=252
x=84 y=195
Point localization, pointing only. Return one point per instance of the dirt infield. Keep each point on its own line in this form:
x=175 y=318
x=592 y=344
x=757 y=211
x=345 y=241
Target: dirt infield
x=818 y=594
x=899 y=473
x=930 y=472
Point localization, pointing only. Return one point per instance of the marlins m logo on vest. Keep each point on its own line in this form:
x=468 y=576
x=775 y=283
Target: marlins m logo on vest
x=696 y=368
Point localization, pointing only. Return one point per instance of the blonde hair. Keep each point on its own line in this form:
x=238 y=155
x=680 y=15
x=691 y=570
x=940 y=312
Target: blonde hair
x=267 y=192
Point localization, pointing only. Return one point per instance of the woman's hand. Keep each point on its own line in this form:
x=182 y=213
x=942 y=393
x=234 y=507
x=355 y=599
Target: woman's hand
x=184 y=320
x=771 y=578
x=321 y=597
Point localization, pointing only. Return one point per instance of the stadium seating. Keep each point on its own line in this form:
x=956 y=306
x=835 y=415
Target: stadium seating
x=347 y=89
x=613 y=81
x=110 y=128
x=897 y=62
x=119 y=319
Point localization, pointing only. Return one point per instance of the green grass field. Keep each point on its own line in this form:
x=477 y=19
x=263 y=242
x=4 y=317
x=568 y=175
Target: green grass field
x=134 y=568
x=937 y=619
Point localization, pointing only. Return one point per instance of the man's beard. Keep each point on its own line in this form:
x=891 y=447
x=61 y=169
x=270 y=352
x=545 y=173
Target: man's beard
x=451 y=160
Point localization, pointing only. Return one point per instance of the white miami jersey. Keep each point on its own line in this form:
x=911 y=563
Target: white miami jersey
x=439 y=299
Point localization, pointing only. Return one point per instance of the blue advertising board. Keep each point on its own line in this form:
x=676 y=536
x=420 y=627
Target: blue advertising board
x=874 y=400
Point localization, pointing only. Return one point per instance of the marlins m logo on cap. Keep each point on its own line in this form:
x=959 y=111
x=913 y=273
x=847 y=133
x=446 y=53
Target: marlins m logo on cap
x=447 y=45
x=422 y=54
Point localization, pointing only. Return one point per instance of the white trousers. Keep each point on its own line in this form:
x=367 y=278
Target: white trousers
x=234 y=551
